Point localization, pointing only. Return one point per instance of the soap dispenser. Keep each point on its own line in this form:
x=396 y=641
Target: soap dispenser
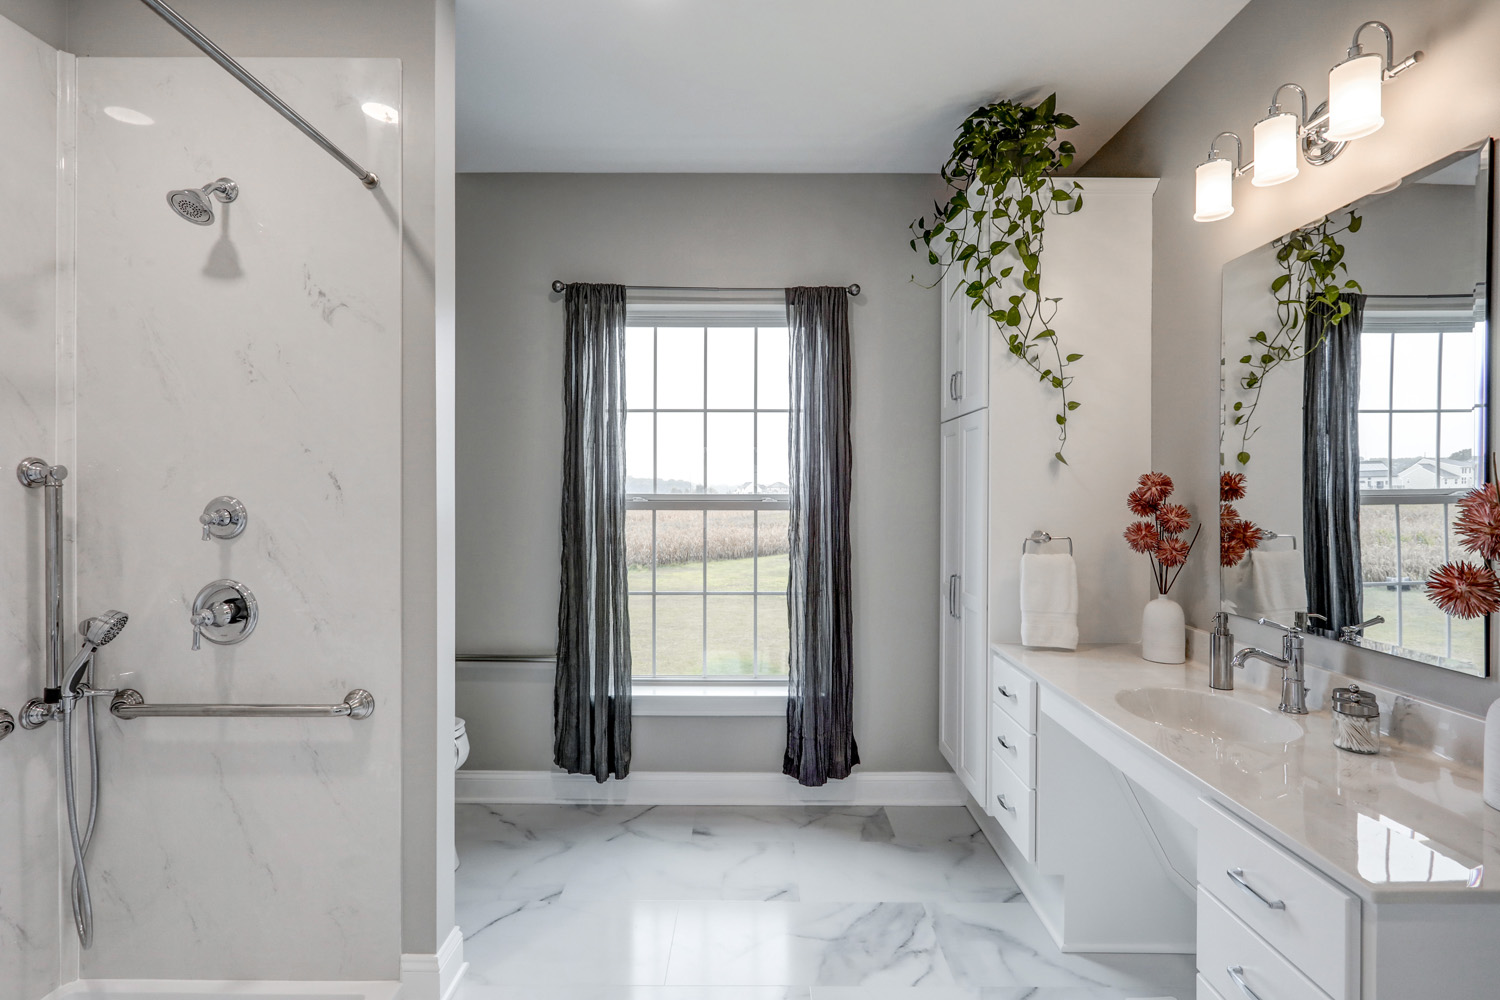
x=1221 y=654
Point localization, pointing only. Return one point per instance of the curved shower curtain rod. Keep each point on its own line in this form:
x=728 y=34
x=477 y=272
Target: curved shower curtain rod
x=234 y=69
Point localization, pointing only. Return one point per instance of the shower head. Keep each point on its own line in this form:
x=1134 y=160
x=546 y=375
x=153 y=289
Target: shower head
x=97 y=631
x=195 y=205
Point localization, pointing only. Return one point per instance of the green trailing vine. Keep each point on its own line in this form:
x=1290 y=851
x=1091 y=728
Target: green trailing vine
x=993 y=224
x=1312 y=273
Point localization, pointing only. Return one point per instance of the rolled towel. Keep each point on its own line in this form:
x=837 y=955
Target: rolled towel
x=1049 y=601
x=1279 y=584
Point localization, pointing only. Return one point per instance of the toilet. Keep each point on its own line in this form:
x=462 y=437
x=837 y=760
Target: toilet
x=460 y=754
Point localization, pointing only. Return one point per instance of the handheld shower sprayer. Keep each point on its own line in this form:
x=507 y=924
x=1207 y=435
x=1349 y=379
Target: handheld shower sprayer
x=195 y=205
x=97 y=631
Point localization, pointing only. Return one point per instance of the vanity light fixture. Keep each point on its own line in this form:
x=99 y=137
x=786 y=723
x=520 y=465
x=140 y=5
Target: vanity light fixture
x=1351 y=112
x=1276 y=139
x=1354 y=86
x=1215 y=181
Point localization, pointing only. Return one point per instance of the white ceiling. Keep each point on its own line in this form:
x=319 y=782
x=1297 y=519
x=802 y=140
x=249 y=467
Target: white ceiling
x=859 y=86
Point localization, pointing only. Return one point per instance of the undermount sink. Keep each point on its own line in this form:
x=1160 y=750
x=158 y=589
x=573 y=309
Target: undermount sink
x=1216 y=716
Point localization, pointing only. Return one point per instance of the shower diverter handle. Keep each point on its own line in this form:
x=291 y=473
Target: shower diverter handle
x=224 y=613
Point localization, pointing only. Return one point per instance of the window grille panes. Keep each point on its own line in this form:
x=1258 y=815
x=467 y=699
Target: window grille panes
x=707 y=503
x=1421 y=440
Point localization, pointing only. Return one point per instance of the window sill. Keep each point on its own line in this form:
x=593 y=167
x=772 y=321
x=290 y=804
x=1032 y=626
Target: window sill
x=676 y=699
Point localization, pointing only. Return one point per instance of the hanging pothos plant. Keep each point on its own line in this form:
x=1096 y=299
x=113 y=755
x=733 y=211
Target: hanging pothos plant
x=1001 y=172
x=1311 y=265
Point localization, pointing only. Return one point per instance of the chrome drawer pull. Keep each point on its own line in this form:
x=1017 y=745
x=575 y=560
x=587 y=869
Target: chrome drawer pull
x=1001 y=740
x=1003 y=804
x=1001 y=689
x=1237 y=973
x=1238 y=874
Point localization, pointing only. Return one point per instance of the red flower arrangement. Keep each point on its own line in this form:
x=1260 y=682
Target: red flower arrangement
x=1159 y=532
x=1237 y=536
x=1468 y=589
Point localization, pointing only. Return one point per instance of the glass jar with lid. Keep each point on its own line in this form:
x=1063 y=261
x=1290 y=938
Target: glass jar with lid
x=1356 y=720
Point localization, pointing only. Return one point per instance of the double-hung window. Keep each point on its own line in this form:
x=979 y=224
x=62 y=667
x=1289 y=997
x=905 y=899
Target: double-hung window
x=706 y=491
x=1421 y=441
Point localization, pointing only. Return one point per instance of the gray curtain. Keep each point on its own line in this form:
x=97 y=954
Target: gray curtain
x=591 y=700
x=1330 y=466
x=820 y=706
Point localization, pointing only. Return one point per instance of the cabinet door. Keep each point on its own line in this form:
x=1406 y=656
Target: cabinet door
x=963 y=671
x=973 y=588
x=966 y=351
x=950 y=662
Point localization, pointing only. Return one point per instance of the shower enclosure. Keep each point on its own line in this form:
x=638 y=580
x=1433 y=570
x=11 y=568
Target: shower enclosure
x=255 y=355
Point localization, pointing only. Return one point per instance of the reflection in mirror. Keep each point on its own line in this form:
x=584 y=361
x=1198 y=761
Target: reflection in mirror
x=1355 y=414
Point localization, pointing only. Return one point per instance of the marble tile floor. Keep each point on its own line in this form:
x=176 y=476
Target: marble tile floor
x=762 y=903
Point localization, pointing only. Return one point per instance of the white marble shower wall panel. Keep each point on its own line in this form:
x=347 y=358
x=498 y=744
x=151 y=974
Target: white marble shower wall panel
x=257 y=357
x=29 y=902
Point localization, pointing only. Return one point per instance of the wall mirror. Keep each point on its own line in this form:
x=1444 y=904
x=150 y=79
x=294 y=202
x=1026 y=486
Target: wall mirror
x=1357 y=414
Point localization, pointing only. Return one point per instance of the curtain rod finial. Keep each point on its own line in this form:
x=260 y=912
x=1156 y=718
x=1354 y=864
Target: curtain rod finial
x=558 y=286
x=852 y=289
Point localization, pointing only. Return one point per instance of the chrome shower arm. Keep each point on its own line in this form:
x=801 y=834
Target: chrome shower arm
x=234 y=69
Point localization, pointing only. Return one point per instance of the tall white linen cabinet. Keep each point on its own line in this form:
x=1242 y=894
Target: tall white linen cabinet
x=1000 y=482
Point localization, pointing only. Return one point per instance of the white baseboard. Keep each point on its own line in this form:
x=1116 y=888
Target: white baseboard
x=710 y=788
x=434 y=977
x=165 y=989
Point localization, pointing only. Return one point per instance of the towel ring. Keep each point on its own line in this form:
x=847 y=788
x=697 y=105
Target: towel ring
x=1042 y=538
x=1271 y=536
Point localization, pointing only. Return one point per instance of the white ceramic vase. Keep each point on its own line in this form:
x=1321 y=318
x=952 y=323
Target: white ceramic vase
x=1163 y=631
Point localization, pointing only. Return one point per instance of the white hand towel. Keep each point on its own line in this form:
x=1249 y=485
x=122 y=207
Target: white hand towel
x=1279 y=584
x=1049 y=601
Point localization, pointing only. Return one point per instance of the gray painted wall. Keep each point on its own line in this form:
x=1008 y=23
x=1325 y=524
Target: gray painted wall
x=1448 y=101
x=517 y=232
x=46 y=19
x=420 y=34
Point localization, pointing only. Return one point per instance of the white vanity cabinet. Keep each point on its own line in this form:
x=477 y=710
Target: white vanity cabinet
x=1272 y=904
x=1293 y=870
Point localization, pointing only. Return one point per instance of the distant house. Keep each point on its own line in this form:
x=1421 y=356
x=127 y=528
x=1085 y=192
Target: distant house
x=1374 y=475
x=1435 y=474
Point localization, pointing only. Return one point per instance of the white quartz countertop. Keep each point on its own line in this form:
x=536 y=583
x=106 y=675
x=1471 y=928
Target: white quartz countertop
x=1406 y=825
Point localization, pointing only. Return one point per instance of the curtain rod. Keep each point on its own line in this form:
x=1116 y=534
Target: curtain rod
x=234 y=69
x=560 y=286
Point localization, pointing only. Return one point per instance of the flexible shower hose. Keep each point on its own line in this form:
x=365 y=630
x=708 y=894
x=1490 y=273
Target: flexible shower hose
x=83 y=910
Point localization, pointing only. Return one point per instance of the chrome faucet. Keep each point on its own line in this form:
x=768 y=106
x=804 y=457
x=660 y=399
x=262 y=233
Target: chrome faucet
x=1353 y=633
x=1293 y=682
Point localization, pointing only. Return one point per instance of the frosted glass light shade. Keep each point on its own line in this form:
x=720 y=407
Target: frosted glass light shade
x=1354 y=97
x=1215 y=191
x=1275 y=150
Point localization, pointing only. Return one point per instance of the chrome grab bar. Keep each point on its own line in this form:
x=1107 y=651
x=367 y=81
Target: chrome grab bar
x=128 y=704
x=1238 y=874
x=1237 y=973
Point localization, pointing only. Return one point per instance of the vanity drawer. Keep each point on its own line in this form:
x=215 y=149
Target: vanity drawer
x=1205 y=991
x=1018 y=814
x=1225 y=944
x=1303 y=915
x=1013 y=691
x=1013 y=745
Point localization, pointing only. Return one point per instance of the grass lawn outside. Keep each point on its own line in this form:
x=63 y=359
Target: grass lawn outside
x=692 y=606
x=1423 y=626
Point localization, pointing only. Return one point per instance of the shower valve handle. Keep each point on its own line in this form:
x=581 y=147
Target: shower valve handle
x=224 y=613
x=224 y=517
